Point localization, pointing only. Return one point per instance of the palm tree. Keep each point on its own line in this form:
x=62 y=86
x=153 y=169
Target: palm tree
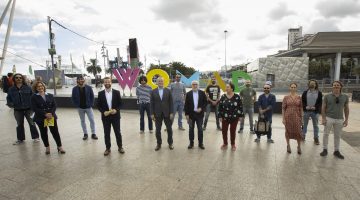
x=93 y=68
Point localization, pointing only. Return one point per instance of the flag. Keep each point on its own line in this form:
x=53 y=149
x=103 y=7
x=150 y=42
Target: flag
x=30 y=70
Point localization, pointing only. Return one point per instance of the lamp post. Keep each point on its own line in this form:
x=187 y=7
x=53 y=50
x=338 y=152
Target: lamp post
x=225 y=55
x=103 y=53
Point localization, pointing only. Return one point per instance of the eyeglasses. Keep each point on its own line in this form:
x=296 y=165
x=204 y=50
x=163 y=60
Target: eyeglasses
x=265 y=88
x=18 y=77
x=337 y=100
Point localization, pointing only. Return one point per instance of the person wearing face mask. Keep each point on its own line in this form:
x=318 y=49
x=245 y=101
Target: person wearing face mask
x=266 y=104
x=83 y=98
x=312 y=102
x=109 y=103
x=212 y=92
x=335 y=106
x=248 y=97
x=143 y=93
x=195 y=103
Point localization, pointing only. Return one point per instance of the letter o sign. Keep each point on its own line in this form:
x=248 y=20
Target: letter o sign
x=150 y=75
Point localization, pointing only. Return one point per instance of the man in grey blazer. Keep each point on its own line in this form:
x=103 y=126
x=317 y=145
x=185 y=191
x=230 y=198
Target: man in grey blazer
x=162 y=110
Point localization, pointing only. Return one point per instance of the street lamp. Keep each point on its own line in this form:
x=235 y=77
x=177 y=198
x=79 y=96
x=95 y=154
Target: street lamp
x=225 y=55
x=103 y=53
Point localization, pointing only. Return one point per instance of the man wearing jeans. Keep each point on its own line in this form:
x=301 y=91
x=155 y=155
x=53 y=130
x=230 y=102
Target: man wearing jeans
x=19 y=98
x=248 y=97
x=266 y=103
x=213 y=96
x=83 y=98
x=143 y=93
x=312 y=101
x=334 y=107
x=178 y=92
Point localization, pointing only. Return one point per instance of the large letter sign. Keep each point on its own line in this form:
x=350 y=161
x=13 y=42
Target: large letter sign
x=159 y=72
x=187 y=81
x=236 y=75
x=126 y=76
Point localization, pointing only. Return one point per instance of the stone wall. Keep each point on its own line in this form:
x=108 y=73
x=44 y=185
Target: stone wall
x=284 y=69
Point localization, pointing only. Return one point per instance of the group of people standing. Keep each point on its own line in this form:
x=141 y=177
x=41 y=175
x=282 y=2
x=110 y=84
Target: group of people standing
x=161 y=105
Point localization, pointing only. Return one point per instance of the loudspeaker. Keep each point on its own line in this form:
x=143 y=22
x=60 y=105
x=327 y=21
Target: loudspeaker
x=133 y=48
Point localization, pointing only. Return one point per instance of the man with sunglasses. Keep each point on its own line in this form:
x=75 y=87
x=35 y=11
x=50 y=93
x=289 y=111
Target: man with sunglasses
x=335 y=106
x=266 y=104
x=19 y=98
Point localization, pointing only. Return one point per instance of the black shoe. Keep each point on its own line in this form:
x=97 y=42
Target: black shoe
x=85 y=137
x=204 y=128
x=338 y=155
x=191 y=146
x=94 y=137
x=316 y=141
x=17 y=142
x=121 y=150
x=158 y=147
x=324 y=153
x=201 y=146
x=218 y=128
x=171 y=147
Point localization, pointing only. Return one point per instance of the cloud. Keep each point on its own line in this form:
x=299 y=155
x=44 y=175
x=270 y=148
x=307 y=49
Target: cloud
x=36 y=31
x=201 y=16
x=280 y=11
x=337 y=8
x=323 y=25
x=266 y=47
x=257 y=35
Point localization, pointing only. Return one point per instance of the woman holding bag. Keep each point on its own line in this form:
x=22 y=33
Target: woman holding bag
x=44 y=106
x=292 y=113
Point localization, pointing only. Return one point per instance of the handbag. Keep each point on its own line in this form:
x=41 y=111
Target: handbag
x=262 y=126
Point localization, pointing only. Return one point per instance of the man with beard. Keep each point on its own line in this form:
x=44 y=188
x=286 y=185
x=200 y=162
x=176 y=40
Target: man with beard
x=334 y=107
x=178 y=92
x=195 y=104
x=83 y=98
x=162 y=110
x=19 y=98
x=109 y=102
x=312 y=102
x=266 y=103
x=213 y=97
x=248 y=97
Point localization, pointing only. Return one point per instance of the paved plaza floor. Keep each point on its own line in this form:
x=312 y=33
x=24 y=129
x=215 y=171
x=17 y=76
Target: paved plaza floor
x=253 y=171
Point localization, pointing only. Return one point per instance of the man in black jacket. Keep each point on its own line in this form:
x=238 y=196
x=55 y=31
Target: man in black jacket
x=109 y=102
x=195 y=104
x=19 y=98
x=312 y=101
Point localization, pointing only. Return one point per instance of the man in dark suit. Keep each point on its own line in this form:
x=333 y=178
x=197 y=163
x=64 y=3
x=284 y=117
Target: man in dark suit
x=109 y=102
x=162 y=110
x=195 y=104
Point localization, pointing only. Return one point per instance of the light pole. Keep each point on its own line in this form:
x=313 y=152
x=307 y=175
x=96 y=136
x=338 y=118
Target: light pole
x=225 y=55
x=103 y=52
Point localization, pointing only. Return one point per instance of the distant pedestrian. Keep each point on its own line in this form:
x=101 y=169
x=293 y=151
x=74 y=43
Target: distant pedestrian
x=178 y=92
x=83 y=98
x=212 y=92
x=44 y=107
x=195 y=104
x=19 y=98
x=292 y=117
x=230 y=111
x=334 y=107
x=312 y=102
x=143 y=93
x=248 y=98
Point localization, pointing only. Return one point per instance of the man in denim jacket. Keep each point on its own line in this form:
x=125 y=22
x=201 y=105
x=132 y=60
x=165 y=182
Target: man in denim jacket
x=19 y=97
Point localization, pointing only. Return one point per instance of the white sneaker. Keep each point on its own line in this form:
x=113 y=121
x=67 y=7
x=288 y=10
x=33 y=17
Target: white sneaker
x=36 y=140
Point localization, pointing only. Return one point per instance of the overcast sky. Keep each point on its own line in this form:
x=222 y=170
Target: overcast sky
x=189 y=31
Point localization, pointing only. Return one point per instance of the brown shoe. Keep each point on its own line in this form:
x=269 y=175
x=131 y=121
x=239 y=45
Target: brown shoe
x=121 y=150
x=316 y=141
x=158 y=147
x=107 y=152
